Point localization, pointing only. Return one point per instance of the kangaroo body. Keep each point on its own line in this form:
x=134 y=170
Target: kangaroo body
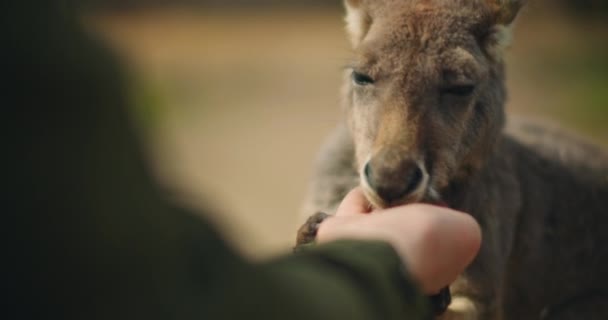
x=541 y=201
x=434 y=130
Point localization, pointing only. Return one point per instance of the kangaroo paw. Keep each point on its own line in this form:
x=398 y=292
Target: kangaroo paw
x=308 y=232
x=441 y=301
x=461 y=308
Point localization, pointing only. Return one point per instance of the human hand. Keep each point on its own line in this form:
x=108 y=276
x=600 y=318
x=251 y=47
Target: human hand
x=436 y=244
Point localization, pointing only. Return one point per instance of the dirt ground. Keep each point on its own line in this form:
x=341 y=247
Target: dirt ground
x=241 y=101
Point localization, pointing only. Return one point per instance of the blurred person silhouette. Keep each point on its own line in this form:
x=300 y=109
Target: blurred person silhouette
x=89 y=235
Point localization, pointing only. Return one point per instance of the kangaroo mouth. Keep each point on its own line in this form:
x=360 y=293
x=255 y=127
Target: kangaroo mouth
x=425 y=192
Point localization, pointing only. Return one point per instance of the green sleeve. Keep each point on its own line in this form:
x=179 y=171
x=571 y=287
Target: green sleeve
x=87 y=233
x=359 y=280
x=343 y=280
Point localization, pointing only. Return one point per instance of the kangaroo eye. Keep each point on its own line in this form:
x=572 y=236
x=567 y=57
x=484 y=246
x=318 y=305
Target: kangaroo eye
x=362 y=79
x=459 y=90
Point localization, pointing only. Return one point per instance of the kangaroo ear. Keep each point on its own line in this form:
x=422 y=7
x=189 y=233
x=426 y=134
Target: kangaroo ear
x=499 y=38
x=506 y=10
x=358 y=21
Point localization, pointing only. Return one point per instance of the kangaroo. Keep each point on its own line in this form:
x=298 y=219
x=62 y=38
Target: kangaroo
x=424 y=106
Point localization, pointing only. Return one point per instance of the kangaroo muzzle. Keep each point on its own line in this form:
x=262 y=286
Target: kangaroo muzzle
x=393 y=179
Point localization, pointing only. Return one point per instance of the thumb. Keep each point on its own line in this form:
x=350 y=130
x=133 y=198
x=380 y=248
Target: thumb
x=355 y=202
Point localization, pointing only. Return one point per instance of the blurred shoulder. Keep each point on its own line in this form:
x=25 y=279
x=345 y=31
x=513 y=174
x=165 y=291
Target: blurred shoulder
x=553 y=141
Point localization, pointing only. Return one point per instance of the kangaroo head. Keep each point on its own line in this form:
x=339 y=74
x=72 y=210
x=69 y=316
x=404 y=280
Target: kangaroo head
x=425 y=92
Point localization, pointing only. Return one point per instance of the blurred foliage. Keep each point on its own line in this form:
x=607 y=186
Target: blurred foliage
x=582 y=73
x=129 y=4
x=149 y=104
x=588 y=76
x=586 y=7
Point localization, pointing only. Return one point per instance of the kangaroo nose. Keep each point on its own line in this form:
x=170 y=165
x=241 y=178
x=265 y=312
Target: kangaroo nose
x=393 y=182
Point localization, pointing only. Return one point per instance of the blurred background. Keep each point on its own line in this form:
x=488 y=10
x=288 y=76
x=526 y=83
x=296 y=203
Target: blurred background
x=234 y=97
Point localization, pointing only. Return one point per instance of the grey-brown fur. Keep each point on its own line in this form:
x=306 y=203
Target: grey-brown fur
x=540 y=195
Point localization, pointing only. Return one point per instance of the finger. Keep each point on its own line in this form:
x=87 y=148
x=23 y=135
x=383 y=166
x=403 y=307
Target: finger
x=452 y=239
x=354 y=203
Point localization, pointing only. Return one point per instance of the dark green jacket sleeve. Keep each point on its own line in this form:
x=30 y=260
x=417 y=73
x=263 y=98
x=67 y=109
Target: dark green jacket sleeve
x=88 y=235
